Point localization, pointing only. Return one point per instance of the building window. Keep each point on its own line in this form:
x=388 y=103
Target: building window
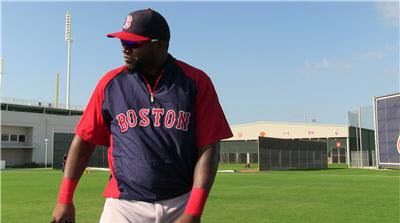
x=5 y=137
x=21 y=138
x=13 y=138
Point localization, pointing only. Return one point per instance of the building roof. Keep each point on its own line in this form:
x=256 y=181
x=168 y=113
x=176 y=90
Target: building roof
x=286 y=130
x=17 y=105
x=288 y=123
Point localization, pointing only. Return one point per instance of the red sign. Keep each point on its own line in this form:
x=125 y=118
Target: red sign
x=338 y=144
x=262 y=134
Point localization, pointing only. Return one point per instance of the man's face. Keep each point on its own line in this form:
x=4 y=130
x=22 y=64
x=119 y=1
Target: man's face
x=138 y=56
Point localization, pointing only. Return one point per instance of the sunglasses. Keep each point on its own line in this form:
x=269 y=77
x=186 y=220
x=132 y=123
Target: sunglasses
x=132 y=45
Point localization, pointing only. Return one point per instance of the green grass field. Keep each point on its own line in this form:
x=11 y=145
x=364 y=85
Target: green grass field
x=334 y=195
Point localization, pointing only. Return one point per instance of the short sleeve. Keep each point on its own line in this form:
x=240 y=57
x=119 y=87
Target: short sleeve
x=92 y=126
x=211 y=124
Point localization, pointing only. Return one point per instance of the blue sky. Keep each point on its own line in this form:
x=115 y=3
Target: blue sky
x=269 y=61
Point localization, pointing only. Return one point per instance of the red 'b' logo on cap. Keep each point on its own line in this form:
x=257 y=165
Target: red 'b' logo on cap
x=128 y=22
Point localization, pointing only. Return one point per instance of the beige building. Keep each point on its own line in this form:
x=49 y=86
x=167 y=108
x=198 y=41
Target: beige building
x=342 y=141
x=252 y=131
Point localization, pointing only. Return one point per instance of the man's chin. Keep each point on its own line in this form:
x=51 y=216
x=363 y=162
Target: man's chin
x=130 y=67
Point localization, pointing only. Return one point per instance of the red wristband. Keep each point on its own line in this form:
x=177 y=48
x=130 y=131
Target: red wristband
x=67 y=190
x=196 y=202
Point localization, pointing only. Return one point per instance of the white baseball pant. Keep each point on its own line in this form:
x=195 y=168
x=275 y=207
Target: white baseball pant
x=129 y=211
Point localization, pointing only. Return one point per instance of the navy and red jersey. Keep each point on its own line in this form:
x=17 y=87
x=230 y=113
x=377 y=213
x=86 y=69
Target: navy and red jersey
x=153 y=134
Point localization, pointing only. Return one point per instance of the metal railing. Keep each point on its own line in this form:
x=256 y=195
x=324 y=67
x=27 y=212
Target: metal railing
x=39 y=103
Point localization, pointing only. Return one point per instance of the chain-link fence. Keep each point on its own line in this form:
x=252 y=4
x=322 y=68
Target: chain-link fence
x=241 y=151
x=361 y=137
x=279 y=154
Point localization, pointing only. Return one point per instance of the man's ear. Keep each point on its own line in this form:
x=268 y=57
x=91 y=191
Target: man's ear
x=162 y=44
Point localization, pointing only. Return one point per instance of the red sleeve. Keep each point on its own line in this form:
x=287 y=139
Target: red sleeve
x=92 y=126
x=211 y=124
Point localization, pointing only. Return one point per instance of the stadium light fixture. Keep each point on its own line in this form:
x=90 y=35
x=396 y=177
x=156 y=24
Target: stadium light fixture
x=68 y=39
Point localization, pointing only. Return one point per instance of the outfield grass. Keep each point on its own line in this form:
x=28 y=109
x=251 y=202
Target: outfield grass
x=334 y=195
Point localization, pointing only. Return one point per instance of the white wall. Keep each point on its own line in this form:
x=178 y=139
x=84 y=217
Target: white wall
x=42 y=126
x=13 y=130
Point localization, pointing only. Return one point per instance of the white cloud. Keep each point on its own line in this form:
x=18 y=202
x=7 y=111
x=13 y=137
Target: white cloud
x=371 y=55
x=317 y=65
x=389 y=11
x=327 y=64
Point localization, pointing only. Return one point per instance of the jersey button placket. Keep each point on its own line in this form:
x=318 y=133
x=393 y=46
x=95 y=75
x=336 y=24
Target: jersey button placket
x=151 y=91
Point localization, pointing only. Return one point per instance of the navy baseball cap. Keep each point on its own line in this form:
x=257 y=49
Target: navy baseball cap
x=143 y=25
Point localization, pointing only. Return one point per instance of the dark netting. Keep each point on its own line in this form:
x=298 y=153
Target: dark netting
x=62 y=142
x=292 y=154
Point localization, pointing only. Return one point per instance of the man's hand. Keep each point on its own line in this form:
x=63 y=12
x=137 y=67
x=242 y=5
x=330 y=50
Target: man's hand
x=63 y=213
x=185 y=218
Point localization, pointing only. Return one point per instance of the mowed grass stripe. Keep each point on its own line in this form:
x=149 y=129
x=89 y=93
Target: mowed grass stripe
x=333 y=195
x=294 y=197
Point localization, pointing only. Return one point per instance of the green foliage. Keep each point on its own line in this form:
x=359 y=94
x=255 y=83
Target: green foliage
x=332 y=195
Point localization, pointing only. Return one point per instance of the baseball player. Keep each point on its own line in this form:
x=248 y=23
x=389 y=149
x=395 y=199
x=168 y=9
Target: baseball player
x=161 y=120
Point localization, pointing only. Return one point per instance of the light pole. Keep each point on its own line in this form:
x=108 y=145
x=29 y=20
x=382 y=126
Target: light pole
x=45 y=155
x=68 y=38
x=1 y=72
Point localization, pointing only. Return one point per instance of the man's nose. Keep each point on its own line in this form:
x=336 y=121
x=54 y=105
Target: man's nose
x=126 y=50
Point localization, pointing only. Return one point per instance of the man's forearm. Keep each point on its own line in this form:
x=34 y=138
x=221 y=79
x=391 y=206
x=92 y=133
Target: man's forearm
x=206 y=167
x=78 y=158
x=204 y=175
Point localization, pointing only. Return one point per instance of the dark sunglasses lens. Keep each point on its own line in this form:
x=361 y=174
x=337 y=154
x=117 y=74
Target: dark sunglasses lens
x=130 y=44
